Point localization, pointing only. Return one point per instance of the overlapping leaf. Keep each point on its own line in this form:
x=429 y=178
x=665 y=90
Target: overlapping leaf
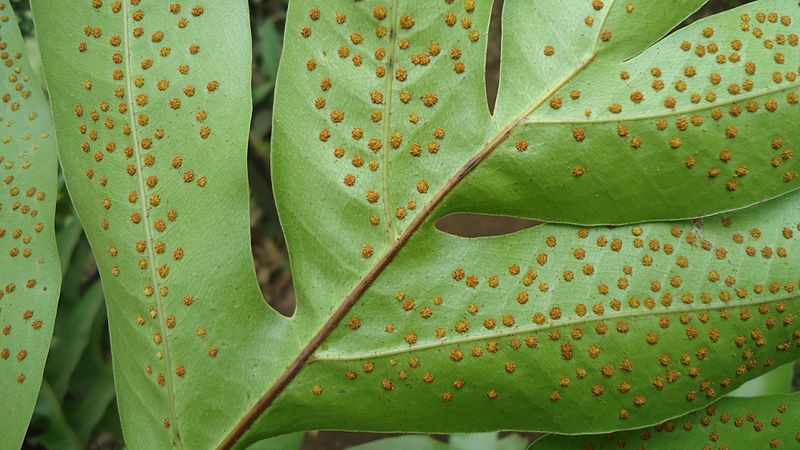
x=753 y=422
x=29 y=270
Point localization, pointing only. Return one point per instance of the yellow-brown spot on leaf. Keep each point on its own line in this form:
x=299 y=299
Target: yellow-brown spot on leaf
x=430 y=99
x=354 y=323
x=367 y=251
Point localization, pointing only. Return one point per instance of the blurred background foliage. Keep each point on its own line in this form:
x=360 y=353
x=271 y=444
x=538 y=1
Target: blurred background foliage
x=77 y=406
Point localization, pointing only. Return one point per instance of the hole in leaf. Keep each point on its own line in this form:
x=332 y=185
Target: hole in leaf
x=492 y=72
x=267 y=242
x=470 y=225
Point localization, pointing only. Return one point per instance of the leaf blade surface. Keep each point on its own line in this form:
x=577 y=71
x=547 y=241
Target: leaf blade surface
x=151 y=102
x=29 y=267
x=530 y=161
x=746 y=422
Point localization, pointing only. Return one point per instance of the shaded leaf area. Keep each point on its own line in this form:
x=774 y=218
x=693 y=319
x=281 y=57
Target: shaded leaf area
x=151 y=103
x=734 y=422
x=381 y=108
x=30 y=275
x=627 y=325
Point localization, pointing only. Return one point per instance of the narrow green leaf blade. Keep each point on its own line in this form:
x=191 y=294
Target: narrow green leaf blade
x=29 y=267
x=152 y=102
x=745 y=422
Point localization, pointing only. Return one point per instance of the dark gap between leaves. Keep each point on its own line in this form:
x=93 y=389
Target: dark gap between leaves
x=492 y=72
x=710 y=8
x=469 y=225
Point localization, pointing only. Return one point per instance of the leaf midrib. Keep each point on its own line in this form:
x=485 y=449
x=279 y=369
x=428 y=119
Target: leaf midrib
x=364 y=284
x=391 y=232
x=151 y=256
x=677 y=112
x=532 y=328
x=293 y=369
